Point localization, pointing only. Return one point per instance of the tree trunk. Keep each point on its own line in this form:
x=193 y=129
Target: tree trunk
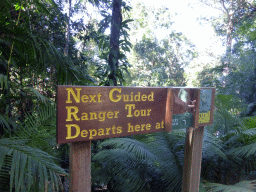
x=68 y=29
x=116 y=21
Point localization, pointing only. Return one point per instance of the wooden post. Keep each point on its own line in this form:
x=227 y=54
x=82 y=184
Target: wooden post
x=80 y=166
x=192 y=159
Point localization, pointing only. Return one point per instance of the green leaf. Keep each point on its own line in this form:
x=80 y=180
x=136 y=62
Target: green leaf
x=3 y=81
x=36 y=161
x=2 y=156
x=244 y=151
x=127 y=21
x=243 y=186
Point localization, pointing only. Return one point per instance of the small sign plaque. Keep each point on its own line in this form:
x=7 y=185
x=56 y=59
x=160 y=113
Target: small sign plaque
x=206 y=106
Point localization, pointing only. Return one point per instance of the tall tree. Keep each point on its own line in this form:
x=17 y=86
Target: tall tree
x=158 y=61
x=116 y=21
x=68 y=29
x=234 y=11
x=112 y=47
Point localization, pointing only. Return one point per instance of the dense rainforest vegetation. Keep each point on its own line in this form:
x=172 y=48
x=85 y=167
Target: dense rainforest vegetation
x=45 y=43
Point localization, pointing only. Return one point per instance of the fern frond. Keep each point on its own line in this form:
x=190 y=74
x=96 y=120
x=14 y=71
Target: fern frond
x=139 y=149
x=243 y=151
x=243 y=186
x=3 y=81
x=28 y=165
x=212 y=145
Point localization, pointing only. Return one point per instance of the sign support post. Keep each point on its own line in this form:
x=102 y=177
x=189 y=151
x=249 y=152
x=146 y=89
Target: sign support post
x=192 y=159
x=80 y=166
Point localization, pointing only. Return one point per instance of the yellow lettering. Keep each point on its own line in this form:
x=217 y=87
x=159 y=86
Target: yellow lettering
x=93 y=133
x=137 y=128
x=107 y=131
x=93 y=115
x=144 y=97
x=119 y=130
x=151 y=96
x=102 y=116
x=142 y=127
x=125 y=98
x=70 y=113
x=137 y=113
x=101 y=132
x=143 y=112
x=129 y=107
x=162 y=124
x=76 y=97
x=131 y=96
x=116 y=112
x=92 y=98
x=69 y=131
x=118 y=96
x=148 y=126
x=130 y=128
x=113 y=129
x=110 y=114
x=84 y=133
x=84 y=116
x=158 y=126
x=99 y=99
x=137 y=97
x=148 y=110
x=84 y=98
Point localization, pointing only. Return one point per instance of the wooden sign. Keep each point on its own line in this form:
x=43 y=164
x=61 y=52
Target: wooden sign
x=90 y=113
x=206 y=103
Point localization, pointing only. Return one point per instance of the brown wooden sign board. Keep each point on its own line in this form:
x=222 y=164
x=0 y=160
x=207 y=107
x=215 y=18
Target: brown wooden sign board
x=91 y=113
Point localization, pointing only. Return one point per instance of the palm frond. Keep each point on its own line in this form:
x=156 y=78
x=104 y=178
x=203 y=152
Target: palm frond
x=3 y=81
x=238 y=136
x=124 y=167
x=38 y=95
x=243 y=186
x=25 y=162
x=28 y=166
x=212 y=145
x=243 y=151
x=38 y=54
x=40 y=129
x=7 y=123
x=139 y=149
x=169 y=148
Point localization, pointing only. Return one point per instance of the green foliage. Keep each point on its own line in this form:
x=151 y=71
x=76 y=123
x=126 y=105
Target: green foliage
x=26 y=45
x=161 y=63
x=208 y=73
x=26 y=163
x=236 y=136
x=112 y=65
x=151 y=162
x=157 y=61
x=144 y=15
x=243 y=186
x=28 y=168
x=32 y=63
x=3 y=81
